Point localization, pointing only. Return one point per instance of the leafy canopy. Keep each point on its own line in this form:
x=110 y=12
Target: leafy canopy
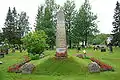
x=35 y=42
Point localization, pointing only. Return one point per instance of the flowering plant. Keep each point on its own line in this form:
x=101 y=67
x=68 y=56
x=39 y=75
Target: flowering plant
x=103 y=66
x=16 y=67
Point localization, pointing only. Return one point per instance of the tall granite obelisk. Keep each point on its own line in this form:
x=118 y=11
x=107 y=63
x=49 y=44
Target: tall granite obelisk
x=61 y=46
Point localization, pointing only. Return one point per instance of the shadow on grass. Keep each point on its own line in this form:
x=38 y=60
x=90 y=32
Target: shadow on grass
x=67 y=66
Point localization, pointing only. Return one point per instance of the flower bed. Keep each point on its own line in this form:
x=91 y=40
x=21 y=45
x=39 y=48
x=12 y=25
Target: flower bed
x=103 y=66
x=16 y=67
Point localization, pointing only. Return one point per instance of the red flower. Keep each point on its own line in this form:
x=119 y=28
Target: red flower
x=15 y=67
x=102 y=65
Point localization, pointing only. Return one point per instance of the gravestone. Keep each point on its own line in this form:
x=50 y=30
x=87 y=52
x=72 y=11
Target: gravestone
x=80 y=55
x=42 y=55
x=1 y=54
x=27 y=68
x=93 y=67
x=103 y=49
x=61 y=47
x=1 y=62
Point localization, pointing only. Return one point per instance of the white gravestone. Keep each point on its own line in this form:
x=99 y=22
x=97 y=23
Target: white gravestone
x=27 y=68
x=93 y=67
x=61 y=48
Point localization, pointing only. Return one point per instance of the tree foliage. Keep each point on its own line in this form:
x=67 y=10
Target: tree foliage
x=1 y=37
x=23 y=23
x=69 y=12
x=9 y=30
x=84 y=24
x=80 y=25
x=116 y=24
x=16 y=25
x=45 y=20
x=100 y=38
x=35 y=42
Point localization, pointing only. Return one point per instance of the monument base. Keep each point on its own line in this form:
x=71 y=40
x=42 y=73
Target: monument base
x=61 y=53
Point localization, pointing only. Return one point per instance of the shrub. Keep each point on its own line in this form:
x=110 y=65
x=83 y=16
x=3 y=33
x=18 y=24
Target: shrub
x=34 y=57
x=35 y=42
x=103 y=66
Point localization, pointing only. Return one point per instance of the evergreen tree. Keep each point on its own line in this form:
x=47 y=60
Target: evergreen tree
x=116 y=24
x=1 y=37
x=9 y=30
x=23 y=24
x=15 y=17
x=16 y=26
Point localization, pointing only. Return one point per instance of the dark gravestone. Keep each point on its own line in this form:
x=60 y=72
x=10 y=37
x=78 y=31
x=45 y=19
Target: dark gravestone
x=95 y=48
x=20 y=50
x=1 y=54
x=103 y=49
x=13 y=50
x=110 y=47
x=78 y=48
x=6 y=50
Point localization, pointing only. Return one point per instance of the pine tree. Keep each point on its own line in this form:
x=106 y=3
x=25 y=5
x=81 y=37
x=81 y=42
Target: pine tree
x=116 y=24
x=23 y=24
x=1 y=37
x=9 y=18
x=16 y=26
x=9 y=30
x=15 y=17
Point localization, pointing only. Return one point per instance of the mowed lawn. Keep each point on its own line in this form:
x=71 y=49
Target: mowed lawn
x=72 y=68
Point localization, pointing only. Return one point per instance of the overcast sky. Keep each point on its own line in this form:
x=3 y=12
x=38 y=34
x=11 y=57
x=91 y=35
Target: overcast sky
x=103 y=8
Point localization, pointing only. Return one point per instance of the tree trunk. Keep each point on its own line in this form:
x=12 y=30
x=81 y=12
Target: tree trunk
x=13 y=48
x=86 y=42
x=70 y=46
x=52 y=47
x=20 y=48
x=86 y=39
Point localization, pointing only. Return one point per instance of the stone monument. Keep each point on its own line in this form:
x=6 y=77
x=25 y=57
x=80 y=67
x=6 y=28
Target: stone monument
x=61 y=47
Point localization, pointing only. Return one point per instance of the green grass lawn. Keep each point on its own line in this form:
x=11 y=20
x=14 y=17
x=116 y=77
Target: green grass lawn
x=72 y=68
